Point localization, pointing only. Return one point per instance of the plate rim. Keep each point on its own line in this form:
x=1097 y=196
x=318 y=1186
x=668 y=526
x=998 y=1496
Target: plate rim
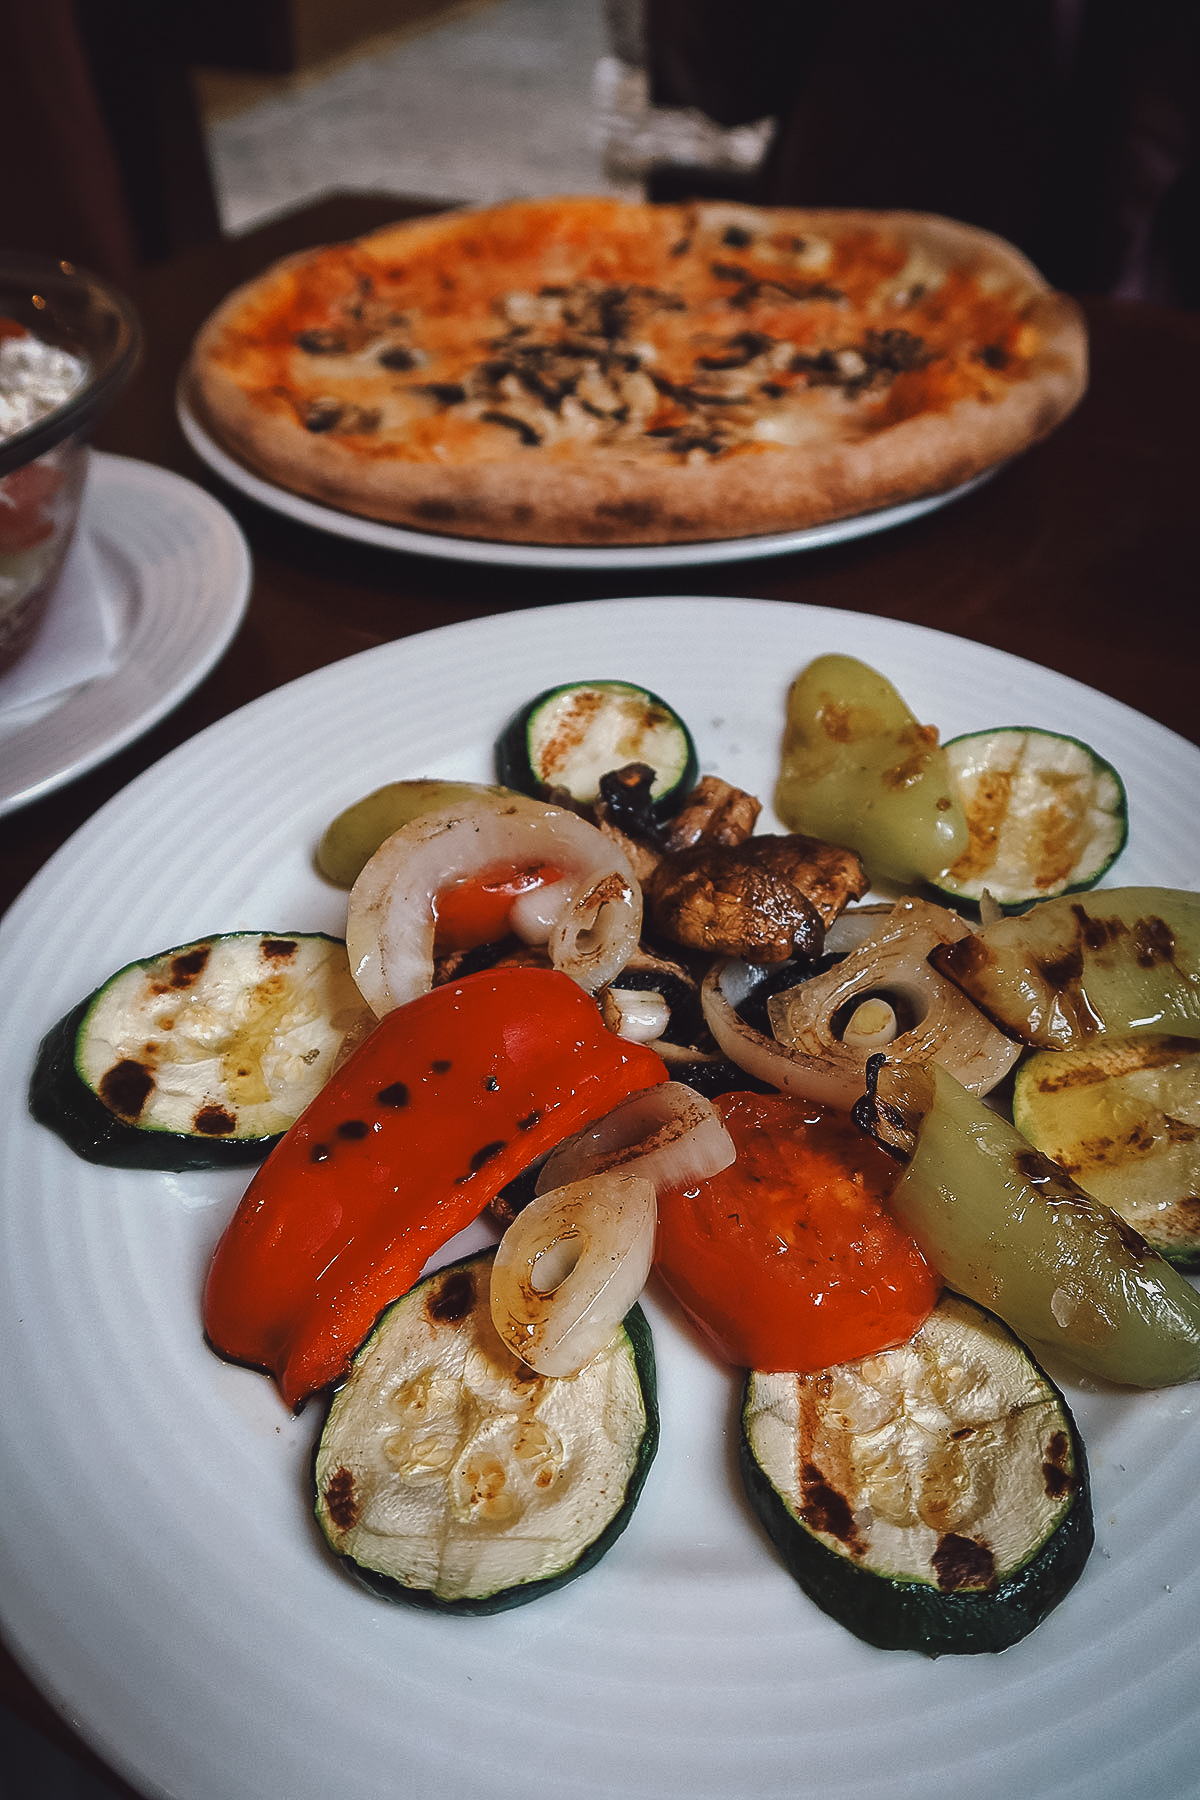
x=111 y=478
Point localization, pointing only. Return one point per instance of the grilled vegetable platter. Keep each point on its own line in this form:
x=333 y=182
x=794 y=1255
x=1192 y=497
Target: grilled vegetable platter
x=606 y=1097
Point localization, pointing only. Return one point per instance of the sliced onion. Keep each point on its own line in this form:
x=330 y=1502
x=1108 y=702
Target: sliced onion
x=569 y=1268
x=670 y=1135
x=590 y=919
x=638 y=1014
x=810 y=1057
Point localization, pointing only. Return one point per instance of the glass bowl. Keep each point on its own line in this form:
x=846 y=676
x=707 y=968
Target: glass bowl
x=43 y=464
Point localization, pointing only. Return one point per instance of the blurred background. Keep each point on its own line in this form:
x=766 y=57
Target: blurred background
x=136 y=129
x=142 y=129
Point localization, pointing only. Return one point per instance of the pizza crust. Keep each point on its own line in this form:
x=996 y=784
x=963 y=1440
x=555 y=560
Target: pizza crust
x=634 y=490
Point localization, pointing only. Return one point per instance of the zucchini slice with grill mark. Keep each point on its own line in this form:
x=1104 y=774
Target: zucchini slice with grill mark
x=451 y=1476
x=202 y=1056
x=1045 y=814
x=1122 y=1117
x=931 y=1498
x=568 y=737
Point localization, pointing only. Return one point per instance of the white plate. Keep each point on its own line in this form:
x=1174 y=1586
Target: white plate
x=549 y=556
x=159 y=1571
x=175 y=577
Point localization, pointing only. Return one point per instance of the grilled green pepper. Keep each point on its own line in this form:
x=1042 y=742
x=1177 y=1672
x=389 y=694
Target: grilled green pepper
x=1072 y=969
x=858 y=769
x=1009 y=1229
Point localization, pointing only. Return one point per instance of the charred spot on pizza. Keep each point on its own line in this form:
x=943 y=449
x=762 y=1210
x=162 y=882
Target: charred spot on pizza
x=878 y=359
x=737 y=237
x=437 y=512
x=523 y=429
x=398 y=357
x=322 y=341
x=994 y=355
x=752 y=287
x=446 y=393
x=328 y=414
x=629 y=512
x=710 y=436
x=737 y=351
x=897 y=350
x=323 y=414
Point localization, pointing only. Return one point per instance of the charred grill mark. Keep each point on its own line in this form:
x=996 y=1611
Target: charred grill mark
x=451 y=1299
x=126 y=1087
x=187 y=968
x=341 y=1501
x=824 y=1509
x=962 y=1562
x=1056 y=1471
x=484 y=1155
x=1153 y=943
x=213 y=1120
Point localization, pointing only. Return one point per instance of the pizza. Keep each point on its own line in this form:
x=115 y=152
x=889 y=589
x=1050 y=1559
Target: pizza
x=592 y=371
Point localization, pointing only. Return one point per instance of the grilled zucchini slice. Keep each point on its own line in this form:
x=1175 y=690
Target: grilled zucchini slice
x=933 y=1497
x=1045 y=815
x=566 y=738
x=202 y=1056
x=1122 y=1117
x=451 y=1476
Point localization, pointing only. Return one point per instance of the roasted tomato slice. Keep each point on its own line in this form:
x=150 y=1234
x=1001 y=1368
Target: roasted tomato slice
x=789 y=1259
x=476 y=912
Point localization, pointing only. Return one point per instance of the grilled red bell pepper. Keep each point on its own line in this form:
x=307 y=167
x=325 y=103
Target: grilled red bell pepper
x=449 y=1098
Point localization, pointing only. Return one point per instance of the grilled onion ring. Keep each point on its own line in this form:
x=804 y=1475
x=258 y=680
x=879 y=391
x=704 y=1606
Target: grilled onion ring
x=589 y=920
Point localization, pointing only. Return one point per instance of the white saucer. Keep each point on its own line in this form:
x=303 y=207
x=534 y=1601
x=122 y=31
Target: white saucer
x=172 y=573
x=549 y=556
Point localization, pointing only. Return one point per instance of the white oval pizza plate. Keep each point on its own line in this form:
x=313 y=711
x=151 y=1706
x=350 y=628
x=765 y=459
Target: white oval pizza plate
x=160 y=1573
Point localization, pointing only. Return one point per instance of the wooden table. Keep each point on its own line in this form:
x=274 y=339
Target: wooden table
x=1084 y=555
